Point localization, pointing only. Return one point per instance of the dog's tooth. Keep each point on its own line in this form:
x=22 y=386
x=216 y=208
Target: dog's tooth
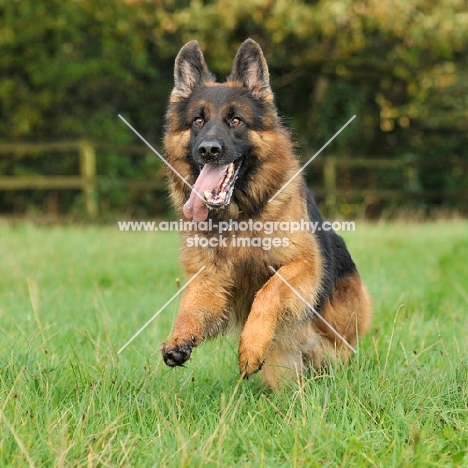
x=222 y=196
x=207 y=194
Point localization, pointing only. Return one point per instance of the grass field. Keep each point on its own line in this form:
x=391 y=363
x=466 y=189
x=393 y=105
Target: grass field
x=71 y=297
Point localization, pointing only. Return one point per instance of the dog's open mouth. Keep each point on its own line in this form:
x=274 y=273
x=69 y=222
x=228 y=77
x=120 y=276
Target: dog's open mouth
x=212 y=190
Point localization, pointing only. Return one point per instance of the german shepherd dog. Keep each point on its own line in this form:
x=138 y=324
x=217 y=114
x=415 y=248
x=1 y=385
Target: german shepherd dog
x=298 y=304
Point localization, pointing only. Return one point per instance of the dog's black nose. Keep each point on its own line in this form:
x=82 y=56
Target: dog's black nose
x=210 y=150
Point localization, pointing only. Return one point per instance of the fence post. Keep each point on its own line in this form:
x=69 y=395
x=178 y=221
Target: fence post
x=88 y=173
x=329 y=175
x=411 y=175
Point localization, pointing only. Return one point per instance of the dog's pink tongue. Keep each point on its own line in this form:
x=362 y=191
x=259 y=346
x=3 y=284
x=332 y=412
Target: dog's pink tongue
x=211 y=177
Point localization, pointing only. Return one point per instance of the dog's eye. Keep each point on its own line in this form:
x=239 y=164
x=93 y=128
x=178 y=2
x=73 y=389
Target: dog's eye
x=235 y=122
x=198 y=122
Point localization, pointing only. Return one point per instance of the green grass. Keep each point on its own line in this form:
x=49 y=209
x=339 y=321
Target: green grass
x=71 y=297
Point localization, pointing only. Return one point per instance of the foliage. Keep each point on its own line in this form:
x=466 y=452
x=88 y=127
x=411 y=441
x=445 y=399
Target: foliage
x=68 y=69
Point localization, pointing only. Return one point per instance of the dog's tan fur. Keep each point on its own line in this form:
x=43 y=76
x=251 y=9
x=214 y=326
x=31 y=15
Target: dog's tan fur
x=238 y=287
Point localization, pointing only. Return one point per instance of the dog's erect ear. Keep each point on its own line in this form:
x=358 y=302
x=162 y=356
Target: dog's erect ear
x=190 y=70
x=250 y=68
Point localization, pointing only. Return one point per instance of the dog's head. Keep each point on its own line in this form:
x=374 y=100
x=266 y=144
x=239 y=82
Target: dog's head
x=219 y=134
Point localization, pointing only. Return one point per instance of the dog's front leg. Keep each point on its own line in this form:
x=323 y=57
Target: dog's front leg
x=275 y=305
x=203 y=314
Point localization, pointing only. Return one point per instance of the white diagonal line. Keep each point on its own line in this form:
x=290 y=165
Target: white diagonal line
x=161 y=309
x=174 y=170
x=312 y=158
x=313 y=310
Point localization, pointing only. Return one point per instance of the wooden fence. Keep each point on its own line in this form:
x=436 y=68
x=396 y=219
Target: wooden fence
x=87 y=180
x=329 y=190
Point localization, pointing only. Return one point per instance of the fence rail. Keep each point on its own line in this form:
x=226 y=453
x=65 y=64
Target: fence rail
x=89 y=182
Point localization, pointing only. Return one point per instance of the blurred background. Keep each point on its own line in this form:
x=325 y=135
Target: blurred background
x=68 y=68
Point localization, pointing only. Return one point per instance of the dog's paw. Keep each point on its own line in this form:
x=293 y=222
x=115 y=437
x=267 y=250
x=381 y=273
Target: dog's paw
x=177 y=352
x=250 y=360
x=255 y=343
